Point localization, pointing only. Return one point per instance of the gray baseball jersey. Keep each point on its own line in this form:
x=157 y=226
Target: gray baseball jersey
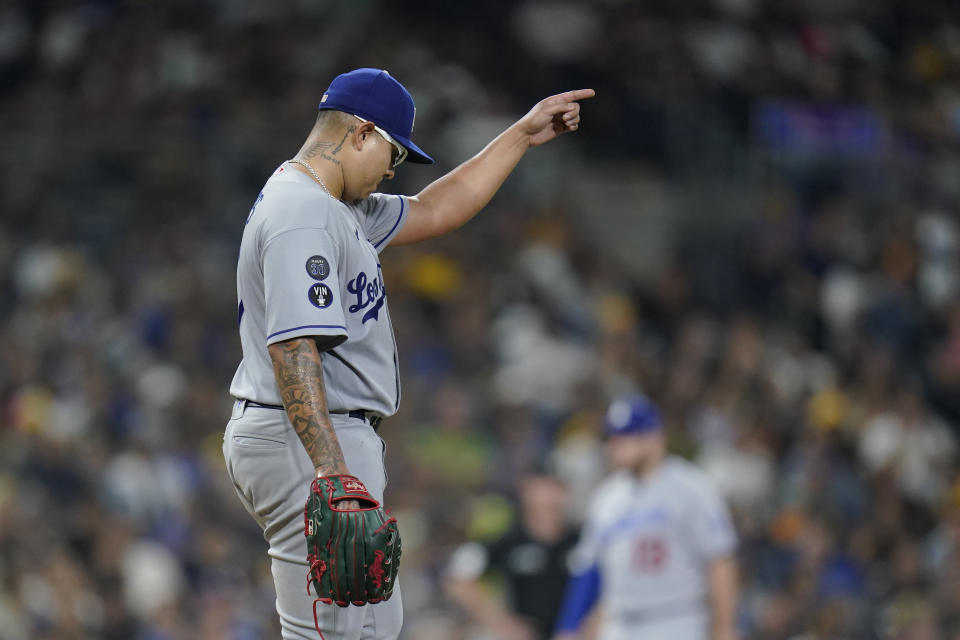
x=651 y=540
x=309 y=266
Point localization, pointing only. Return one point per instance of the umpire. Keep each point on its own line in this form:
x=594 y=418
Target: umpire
x=532 y=559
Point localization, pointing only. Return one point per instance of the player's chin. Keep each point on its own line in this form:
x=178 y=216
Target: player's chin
x=359 y=199
x=360 y=195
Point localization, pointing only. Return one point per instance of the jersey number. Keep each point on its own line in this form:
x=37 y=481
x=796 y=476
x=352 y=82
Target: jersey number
x=649 y=555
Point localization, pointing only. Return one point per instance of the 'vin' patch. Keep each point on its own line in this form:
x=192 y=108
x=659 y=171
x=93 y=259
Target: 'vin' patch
x=320 y=295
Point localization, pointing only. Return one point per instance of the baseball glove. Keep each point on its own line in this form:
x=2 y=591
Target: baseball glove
x=353 y=554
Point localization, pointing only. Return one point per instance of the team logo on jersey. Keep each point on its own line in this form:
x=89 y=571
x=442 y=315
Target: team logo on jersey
x=369 y=293
x=317 y=267
x=320 y=295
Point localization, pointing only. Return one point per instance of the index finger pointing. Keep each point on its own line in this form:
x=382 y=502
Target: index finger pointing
x=579 y=94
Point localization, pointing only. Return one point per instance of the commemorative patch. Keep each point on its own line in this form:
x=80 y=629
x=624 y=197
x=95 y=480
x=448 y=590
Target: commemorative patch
x=317 y=267
x=320 y=295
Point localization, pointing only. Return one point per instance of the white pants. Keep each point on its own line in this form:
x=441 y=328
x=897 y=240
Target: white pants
x=690 y=627
x=272 y=473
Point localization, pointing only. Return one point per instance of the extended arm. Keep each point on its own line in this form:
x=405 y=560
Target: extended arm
x=450 y=201
x=462 y=584
x=723 y=597
x=299 y=374
x=581 y=597
x=487 y=610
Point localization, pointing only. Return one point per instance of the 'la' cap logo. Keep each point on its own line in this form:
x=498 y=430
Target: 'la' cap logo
x=323 y=99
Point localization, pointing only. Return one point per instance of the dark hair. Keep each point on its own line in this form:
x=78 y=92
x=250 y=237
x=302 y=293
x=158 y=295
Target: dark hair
x=328 y=117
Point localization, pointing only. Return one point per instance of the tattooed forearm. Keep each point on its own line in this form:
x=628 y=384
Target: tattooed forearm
x=299 y=374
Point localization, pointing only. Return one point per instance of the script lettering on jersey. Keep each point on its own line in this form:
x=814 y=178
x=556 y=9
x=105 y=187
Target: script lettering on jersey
x=368 y=292
x=631 y=523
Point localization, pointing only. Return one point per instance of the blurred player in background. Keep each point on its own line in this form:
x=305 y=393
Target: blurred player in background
x=532 y=559
x=657 y=550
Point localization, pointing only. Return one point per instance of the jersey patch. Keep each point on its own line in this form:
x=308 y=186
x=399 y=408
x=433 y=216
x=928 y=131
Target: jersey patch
x=320 y=295
x=317 y=267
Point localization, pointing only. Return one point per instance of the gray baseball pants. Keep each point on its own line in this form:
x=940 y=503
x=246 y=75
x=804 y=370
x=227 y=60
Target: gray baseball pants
x=272 y=473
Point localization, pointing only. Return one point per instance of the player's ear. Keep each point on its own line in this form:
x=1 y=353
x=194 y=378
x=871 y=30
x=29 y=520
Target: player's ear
x=362 y=133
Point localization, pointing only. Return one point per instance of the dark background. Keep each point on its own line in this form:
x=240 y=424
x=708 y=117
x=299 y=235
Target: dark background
x=756 y=226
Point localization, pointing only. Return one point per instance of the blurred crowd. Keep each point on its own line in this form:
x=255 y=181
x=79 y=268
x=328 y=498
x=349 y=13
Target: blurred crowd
x=805 y=353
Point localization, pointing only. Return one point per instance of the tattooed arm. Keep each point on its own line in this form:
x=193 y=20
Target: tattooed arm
x=299 y=374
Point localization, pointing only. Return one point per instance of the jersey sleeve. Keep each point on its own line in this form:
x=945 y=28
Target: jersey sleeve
x=712 y=527
x=583 y=587
x=300 y=275
x=382 y=216
x=580 y=596
x=586 y=552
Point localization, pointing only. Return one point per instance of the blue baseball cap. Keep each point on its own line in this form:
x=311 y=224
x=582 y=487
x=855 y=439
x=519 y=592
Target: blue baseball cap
x=631 y=415
x=374 y=95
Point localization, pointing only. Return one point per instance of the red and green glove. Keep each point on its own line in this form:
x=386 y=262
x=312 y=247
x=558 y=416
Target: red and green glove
x=353 y=554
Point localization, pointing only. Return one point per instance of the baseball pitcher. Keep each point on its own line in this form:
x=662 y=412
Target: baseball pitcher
x=320 y=368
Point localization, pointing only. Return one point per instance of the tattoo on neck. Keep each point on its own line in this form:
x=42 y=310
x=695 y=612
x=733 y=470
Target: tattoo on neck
x=317 y=148
x=323 y=151
x=346 y=134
